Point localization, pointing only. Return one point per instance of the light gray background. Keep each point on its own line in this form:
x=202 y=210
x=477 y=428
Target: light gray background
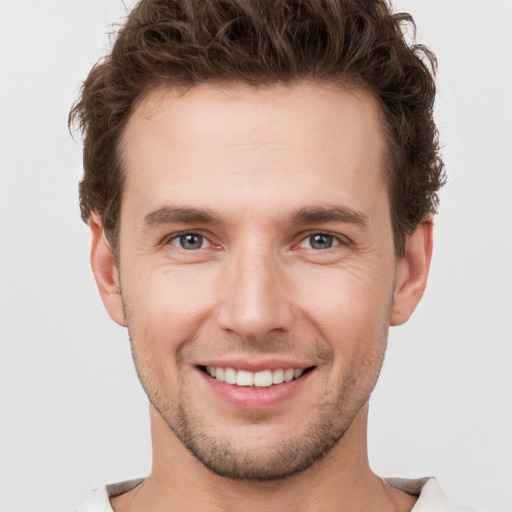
x=72 y=413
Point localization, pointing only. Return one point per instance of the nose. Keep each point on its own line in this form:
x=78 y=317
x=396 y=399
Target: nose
x=255 y=299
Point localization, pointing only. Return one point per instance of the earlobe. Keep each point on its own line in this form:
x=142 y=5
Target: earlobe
x=412 y=273
x=105 y=272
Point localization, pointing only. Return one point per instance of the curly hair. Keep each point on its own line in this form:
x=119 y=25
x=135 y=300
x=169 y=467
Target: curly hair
x=181 y=43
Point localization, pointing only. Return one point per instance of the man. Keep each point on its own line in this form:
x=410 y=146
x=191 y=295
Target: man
x=260 y=179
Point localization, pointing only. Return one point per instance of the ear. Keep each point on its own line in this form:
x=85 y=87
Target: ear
x=105 y=272
x=412 y=273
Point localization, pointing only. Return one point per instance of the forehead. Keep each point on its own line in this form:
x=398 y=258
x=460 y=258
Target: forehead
x=288 y=113
x=279 y=144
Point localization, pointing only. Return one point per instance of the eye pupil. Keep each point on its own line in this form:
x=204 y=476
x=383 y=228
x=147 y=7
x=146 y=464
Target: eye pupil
x=321 y=241
x=191 y=241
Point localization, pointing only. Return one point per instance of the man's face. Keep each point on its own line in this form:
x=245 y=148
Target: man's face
x=255 y=242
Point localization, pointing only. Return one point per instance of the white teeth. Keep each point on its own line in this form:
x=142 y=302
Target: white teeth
x=244 y=378
x=262 y=379
x=278 y=376
x=288 y=374
x=230 y=376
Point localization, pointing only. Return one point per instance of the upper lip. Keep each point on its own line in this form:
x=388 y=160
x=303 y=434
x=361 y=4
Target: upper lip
x=255 y=365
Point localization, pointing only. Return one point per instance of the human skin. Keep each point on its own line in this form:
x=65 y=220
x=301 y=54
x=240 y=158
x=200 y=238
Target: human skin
x=256 y=294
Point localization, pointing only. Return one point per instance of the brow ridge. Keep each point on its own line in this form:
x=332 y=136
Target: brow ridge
x=306 y=215
x=317 y=215
x=186 y=215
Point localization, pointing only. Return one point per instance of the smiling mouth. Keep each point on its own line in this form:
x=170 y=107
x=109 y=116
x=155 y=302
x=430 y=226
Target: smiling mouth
x=261 y=379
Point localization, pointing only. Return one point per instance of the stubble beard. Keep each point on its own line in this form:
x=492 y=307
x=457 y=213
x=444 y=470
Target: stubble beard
x=274 y=461
x=331 y=418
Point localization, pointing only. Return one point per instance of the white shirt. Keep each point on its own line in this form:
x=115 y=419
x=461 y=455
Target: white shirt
x=431 y=497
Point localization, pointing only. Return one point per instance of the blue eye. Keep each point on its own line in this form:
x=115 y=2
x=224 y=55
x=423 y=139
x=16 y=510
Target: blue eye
x=189 y=241
x=320 y=241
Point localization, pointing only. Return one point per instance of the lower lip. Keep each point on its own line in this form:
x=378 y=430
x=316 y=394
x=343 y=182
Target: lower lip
x=254 y=397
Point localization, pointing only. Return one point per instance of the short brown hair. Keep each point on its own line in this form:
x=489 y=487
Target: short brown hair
x=182 y=43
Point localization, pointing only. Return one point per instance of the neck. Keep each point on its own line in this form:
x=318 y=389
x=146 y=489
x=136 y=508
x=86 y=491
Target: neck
x=341 y=481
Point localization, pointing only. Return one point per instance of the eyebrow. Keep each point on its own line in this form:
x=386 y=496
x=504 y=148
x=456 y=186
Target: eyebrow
x=306 y=215
x=318 y=215
x=172 y=214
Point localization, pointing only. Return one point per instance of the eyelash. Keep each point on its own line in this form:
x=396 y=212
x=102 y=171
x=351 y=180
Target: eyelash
x=336 y=239
x=177 y=236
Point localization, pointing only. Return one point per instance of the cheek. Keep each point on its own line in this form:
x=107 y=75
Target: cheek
x=345 y=300
x=351 y=314
x=167 y=305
